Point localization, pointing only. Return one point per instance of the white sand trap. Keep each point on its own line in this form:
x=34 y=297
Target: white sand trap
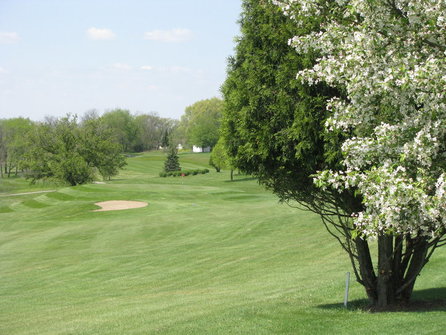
x=117 y=205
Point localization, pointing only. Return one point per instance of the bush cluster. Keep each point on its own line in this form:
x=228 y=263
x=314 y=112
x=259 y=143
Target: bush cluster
x=183 y=173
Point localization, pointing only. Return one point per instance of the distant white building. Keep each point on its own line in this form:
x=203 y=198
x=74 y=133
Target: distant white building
x=200 y=149
x=179 y=147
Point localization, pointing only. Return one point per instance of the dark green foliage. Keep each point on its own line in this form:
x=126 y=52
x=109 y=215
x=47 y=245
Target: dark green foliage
x=99 y=150
x=55 y=153
x=273 y=126
x=184 y=173
x=63 y=150
x=172 y=162
x=165 y=139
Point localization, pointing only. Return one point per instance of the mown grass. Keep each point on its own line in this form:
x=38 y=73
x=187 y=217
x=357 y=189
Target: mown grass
x=207 y=256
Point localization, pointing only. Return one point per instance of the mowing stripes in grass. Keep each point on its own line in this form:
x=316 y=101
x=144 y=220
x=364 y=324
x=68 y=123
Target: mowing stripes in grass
x=207 y=256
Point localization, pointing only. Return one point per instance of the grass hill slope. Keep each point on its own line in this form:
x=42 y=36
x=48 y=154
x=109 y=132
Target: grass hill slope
x=206 y=256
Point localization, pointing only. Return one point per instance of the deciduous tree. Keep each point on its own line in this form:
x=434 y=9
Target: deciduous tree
x=14 y=142
x=202 y=122
x=63 y=150
x=99 y=149
x=124 y=127
x=219 y=159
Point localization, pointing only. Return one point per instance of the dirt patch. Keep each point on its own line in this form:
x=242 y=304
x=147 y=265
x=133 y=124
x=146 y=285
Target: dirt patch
x=117 y=205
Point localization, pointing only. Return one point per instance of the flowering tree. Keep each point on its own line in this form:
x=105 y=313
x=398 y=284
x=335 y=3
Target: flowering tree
x=387 y=58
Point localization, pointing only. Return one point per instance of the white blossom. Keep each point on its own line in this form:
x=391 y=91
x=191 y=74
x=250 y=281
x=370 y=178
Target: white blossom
x=389 y=57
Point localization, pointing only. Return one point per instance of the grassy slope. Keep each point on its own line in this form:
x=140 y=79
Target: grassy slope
x=207 y=256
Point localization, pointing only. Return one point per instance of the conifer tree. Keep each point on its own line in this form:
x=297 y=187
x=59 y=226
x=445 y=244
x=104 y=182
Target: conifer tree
x=172 y=162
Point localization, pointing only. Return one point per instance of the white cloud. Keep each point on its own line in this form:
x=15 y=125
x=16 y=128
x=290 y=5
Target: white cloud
x=2 y=70
x=173 y=35
x=9 y=37
x=100 y=34
x=146 y=67
x=121 y=66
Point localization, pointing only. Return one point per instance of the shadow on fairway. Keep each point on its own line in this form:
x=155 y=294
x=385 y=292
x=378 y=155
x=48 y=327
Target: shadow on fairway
x=428 y=300
x=242 y=179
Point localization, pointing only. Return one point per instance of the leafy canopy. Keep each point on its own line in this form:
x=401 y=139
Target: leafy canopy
x=201 y=122
x=64 y=150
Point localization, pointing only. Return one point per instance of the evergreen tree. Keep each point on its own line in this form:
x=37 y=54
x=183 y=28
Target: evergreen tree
x=273 y=126
x=172 y=162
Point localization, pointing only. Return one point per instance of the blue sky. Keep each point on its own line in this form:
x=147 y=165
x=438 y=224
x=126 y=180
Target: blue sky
x=71 y=56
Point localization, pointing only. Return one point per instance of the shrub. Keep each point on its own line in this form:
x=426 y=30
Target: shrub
x=183 y=173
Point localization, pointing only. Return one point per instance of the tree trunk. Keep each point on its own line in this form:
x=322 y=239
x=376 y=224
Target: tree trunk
x=9 y=170
x=417 y=263
x=385 y=281
x=232 y=174
x=397 y=270
x=366 y=269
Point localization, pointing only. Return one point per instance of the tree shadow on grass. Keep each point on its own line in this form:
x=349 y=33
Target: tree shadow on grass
x=241 y=179
x=428 y=300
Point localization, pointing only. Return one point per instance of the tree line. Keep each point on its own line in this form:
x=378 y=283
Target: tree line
x=76 y=150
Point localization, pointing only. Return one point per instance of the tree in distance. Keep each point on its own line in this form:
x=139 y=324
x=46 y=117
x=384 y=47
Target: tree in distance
x=201 y=122
x=14 y=138
x=63 y=150
x=360 y=137
x=99 y=150
x=54 y=153
x=124 y=128
x=172 y=162
x=151 y=130
x=219 y=159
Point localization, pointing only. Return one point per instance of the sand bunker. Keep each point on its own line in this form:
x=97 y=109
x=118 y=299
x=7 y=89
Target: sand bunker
x=117 y=205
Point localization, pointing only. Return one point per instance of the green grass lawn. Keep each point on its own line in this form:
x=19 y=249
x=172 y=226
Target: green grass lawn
x=206 y=256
